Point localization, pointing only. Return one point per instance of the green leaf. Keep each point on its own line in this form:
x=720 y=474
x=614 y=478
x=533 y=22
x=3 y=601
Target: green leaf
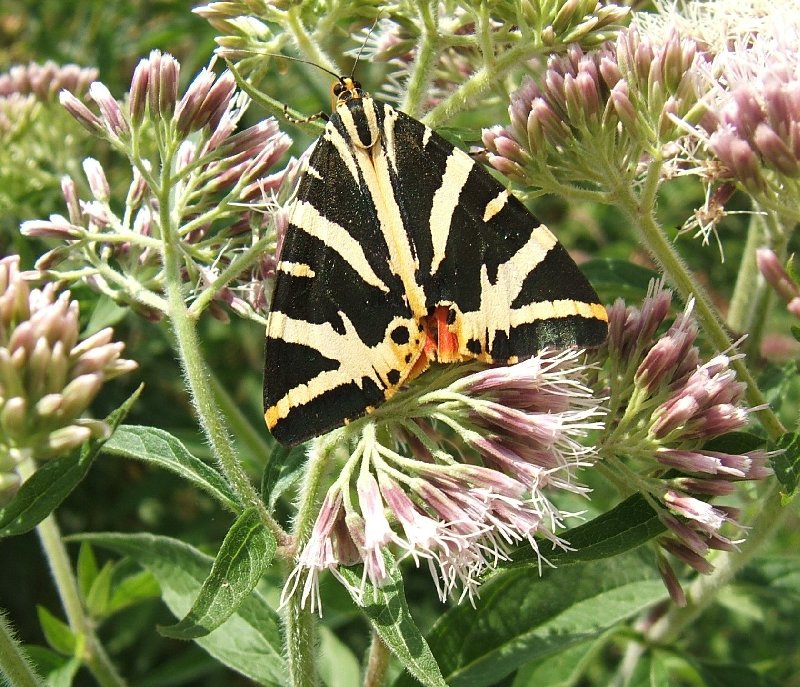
x=559 y=670
x=521 y=617
x=54 y=480
x=86 y=569
x=623 y=528
x=787 y=463
x=132 y=589
x=249 y=641
x=64 y=675
x=735 y=442
x=283 y=470
x=388 y=613
x=57 y=633
x=245 y=554
x=618 y=278
x=158 y=447
x=338 y=666
x=99 y=596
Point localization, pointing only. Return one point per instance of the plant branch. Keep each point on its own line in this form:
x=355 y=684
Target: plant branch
x=427 y=54
x=195 y=368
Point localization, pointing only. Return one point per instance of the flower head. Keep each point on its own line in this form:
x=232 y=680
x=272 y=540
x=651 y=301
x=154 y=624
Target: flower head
x=220 y=179
x=467 y=470
x=670 y=407
x=48 y=376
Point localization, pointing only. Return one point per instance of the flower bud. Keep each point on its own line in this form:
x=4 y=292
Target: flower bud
x=110 y=110
x=85 y=117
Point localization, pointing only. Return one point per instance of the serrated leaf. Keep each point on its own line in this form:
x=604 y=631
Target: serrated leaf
x=625 y=527
x=787 y=463
x=155 y=446
x=57 y=633
x=249 y=641
x=389 y=616
x=54 y=480
x=245 y=554
x=86 y=569
x=521 y=617
x=282 y=472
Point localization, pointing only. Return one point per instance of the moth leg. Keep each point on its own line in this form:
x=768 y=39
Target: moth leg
x=303 y=120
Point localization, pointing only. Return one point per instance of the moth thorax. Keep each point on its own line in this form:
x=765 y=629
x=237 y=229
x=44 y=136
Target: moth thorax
x=360 y=120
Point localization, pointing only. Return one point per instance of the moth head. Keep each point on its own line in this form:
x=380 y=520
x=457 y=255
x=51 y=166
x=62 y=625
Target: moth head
x=346 y=88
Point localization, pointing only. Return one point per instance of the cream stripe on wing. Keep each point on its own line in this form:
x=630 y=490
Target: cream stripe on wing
x=445 y=200
x=306 y=217
x=356 y=360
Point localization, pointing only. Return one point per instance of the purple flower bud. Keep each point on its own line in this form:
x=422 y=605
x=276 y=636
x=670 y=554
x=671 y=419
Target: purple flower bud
x=71 y=199
x=776 y=275
x=137 y=99
x=671 y=582
x=737 y=155
x=775 y=151
x=218 y=101
x=743 y=113
x=623 y=107
x=57 y=227
x=685 y=554
x=85 y=117
x=188 y=106
x=97 y=179
x=110 y=110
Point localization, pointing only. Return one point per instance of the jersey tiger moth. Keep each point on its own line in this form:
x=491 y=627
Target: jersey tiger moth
x=402 y=250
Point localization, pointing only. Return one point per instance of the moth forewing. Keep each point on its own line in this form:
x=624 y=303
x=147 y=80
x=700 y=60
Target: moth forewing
x=401 y=251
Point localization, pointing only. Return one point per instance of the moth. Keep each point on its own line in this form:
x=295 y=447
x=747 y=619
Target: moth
x=401 y=251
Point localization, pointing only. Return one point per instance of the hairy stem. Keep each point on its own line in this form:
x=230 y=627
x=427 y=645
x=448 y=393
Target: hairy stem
x=14 y=666
x=377 y=662
x=195 y=367
x=427 y=54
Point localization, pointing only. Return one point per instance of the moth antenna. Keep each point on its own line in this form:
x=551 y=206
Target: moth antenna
x=364 y=44
x=300 y=59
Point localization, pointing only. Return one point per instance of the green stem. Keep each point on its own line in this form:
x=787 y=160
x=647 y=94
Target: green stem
x=640 y=210
x=705 y=588
x=253 y=439
x=238 y=265
x=195 y=368
x=377 y=662
x=427 y=54
x=481 y=81
x=93 y=654
x=14 y=666
x=299 y=621
x=306 y=43
x=742 y=309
